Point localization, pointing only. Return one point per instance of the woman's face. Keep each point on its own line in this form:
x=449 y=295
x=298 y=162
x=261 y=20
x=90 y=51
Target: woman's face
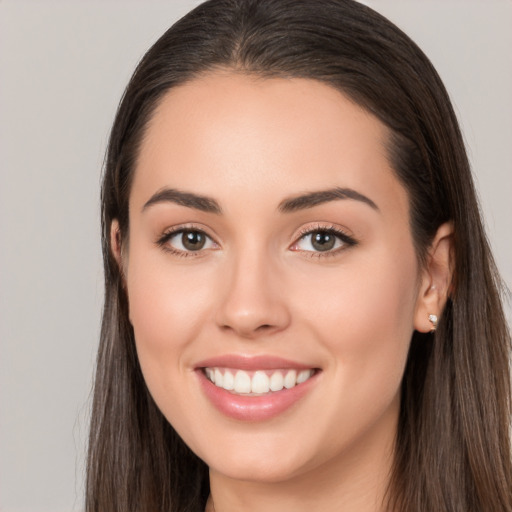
x=270 y=251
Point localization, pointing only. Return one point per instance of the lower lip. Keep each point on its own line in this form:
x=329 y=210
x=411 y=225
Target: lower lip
x=254 y=408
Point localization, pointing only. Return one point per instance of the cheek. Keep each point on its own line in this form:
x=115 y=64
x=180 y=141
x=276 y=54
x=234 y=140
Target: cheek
x=377 y=293
x=167 y=308
x=367 y=321
x=381 y=306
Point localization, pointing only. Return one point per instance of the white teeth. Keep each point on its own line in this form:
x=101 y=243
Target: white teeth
x=276 y=381
x=261 y=381
x=218 y=378
x=303 y=376
x=242 y=382
x=291 y=379
x=229 y=381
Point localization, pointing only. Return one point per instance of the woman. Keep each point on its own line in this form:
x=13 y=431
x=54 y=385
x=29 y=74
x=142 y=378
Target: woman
x=301 y=311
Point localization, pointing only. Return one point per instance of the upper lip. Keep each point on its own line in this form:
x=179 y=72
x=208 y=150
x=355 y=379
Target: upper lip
x=251 y=363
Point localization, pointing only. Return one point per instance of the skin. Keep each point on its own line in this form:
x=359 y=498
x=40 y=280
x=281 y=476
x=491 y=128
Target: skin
x=259 y=286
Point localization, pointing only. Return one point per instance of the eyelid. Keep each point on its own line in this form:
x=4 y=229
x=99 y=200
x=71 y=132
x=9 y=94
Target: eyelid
x=169 y=233
x=339 y=232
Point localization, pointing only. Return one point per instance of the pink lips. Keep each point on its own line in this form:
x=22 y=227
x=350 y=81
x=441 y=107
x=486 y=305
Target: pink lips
x=253 y=408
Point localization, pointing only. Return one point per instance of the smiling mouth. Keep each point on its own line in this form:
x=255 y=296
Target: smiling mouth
x=258 y=382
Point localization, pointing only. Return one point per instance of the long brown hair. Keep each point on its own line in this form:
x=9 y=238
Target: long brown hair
x=453 y=442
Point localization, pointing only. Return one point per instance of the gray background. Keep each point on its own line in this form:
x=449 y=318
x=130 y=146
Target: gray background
x=63 y=67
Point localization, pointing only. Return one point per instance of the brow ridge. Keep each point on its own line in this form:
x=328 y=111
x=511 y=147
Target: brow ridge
x=188 y=199
x=311 y=199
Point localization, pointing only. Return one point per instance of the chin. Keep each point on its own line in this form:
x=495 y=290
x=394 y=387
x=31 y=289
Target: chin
x=261 y=471
x=269 y=461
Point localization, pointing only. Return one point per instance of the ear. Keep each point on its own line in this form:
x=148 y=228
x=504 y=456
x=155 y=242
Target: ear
x=115 y=243
x=435 y=280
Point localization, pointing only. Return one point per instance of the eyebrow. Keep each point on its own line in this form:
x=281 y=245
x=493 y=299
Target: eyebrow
x=302 y=202
x=312 y=199
x=188 y=199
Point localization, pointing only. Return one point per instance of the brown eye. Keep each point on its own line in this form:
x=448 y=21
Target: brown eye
x=185 y=241
x=323 y=240
x=193 y=240
x=327 y=240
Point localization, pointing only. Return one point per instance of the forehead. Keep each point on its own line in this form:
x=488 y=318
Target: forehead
x=226 y=132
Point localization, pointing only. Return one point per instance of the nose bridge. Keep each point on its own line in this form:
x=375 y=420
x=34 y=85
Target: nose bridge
x=252 y=302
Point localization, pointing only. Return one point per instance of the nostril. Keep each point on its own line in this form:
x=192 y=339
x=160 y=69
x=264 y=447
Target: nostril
x=250 y=332
x=252 y=314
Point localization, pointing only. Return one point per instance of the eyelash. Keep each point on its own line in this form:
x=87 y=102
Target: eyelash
x=167 y=235
x=346 y=240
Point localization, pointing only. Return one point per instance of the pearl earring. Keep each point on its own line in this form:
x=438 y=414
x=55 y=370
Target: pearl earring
x=433 y=321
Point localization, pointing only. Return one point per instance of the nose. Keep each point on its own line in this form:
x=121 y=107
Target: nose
x=253 y=300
